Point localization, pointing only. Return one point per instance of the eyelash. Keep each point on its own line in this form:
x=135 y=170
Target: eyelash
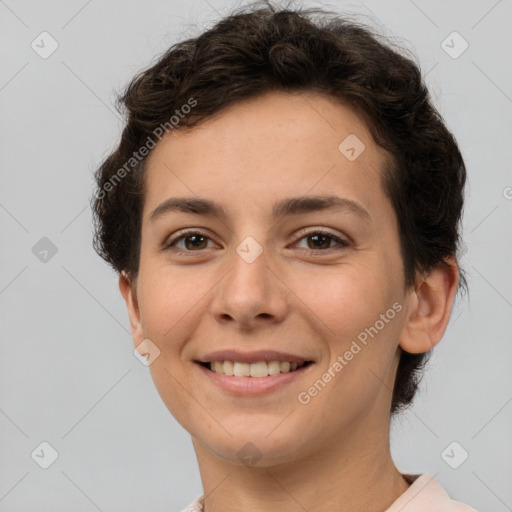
x=342 y=244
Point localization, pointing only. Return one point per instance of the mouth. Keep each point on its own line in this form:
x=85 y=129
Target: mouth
x=252 y=379
x=259 y=369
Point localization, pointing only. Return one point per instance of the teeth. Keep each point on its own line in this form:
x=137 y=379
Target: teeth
x=274 y=368
x=241 y=369
x=227 y=368
x=259 y=369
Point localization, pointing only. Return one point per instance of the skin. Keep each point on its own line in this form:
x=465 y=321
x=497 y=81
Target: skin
x=297 y=296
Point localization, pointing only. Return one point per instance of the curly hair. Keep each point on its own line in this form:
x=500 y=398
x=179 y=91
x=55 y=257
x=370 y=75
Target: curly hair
x=258 y=49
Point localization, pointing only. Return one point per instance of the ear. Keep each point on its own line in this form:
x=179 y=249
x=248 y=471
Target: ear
x=429 y=308
x=129 y=293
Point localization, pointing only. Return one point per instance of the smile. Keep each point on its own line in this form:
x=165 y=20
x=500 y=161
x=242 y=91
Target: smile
x=240 y=382
x=258 y=369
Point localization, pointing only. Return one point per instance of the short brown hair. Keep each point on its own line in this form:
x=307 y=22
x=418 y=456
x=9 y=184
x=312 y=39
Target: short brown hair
x=259 y=49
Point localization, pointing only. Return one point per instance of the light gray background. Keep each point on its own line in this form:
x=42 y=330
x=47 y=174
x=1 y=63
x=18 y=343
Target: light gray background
x=67 y=372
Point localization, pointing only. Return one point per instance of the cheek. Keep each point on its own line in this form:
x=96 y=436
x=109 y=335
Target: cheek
x=357 y=317
x=171 y=304
x=171 y=308
x=345 y=299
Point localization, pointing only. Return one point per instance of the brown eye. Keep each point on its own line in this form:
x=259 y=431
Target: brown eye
x=191 y=241
x=319 y=241
x=322 y=241
x=196 y=242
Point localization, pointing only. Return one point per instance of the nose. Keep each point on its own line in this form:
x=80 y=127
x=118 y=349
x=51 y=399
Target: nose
x=251 y=295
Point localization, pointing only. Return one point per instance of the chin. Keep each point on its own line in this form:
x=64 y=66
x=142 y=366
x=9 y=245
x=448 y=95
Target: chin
x=259 y=453
x=259 y=444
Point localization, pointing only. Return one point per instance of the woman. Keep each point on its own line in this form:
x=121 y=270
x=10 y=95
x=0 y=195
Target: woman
x=283 y=212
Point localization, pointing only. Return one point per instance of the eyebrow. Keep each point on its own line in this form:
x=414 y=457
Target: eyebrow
x=283 y=208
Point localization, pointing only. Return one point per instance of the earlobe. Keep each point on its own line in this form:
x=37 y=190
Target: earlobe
x=129 y=293
x=430 y=307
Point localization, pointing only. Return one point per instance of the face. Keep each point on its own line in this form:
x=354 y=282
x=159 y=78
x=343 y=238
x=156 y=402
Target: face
x=250 y=277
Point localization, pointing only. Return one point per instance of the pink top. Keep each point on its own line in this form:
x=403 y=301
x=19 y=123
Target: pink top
x=425 y=494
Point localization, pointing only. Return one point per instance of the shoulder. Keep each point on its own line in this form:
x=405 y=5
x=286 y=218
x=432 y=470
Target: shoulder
x=426 y=494
x=195 y=506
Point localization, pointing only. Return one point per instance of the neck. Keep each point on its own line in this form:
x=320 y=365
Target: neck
x=355 y=473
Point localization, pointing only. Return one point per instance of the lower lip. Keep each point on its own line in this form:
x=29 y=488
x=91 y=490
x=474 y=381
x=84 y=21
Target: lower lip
x=253 y=385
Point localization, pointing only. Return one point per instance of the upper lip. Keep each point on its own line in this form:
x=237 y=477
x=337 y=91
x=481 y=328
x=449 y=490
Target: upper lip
x=252 y=357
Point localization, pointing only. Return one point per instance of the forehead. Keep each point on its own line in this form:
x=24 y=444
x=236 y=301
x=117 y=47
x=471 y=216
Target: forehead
x=273 y=146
